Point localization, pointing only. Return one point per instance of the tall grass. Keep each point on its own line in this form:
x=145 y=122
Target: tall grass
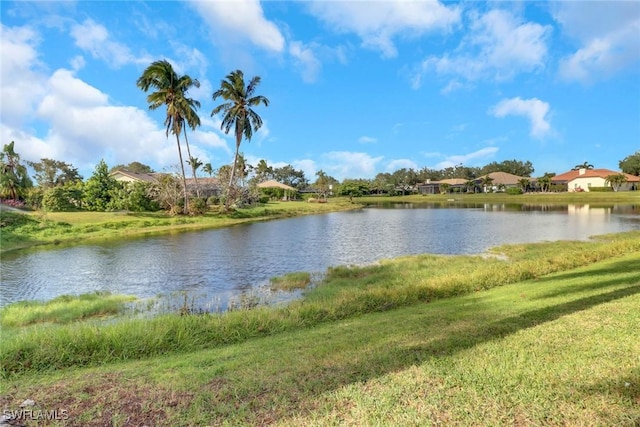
x=560 y=350
x=346 y=292
x=63 y=309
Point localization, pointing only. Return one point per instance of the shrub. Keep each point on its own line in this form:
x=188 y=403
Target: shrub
x=60 y=199
x=197 y=206
x=513 y=190
x=600 y=189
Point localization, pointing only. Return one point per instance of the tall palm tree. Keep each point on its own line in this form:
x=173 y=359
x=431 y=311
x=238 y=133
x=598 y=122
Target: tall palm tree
x=188 y=107
x=170 y=90
x=237 y=110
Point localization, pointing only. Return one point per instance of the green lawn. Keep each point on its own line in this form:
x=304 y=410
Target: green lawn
x=556 y=349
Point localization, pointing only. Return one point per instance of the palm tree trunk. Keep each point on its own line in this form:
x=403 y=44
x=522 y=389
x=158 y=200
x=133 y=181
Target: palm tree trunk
x=193 y=169
x=184 y=178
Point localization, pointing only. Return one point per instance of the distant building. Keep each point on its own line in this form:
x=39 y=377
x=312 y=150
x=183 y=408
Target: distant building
x=583 y=179
x=208 y=186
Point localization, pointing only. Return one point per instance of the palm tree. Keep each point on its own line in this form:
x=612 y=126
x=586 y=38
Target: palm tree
x=486 y=182
x=195 y=163
x=188 y=107
x=207 y=168
x=585 y=165
x=170 y=91
x=237 y=110
x=616 y=180
x=524 y=184
x=545 y=182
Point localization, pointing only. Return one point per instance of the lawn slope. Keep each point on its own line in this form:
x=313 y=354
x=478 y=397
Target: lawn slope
x=558 y=349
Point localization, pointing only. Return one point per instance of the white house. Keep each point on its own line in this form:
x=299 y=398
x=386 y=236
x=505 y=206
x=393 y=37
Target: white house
x=583 y=179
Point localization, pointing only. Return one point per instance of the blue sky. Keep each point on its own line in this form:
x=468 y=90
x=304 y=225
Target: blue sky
x=356 y=88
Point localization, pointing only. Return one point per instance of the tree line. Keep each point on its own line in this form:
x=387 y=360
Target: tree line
x=60 y=186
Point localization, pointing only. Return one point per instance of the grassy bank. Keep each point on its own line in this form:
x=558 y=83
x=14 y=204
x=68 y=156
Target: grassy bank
x=596 y=198
x=345 y=293
x=550 y=349
x=19 y=231
x=39 y=228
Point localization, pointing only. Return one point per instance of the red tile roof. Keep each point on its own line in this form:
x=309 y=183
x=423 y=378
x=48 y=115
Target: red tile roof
x=591 y=173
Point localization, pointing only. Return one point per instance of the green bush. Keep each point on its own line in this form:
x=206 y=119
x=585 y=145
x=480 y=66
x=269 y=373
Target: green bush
x=198 y=206
x=61 y=199
x=513 y=190
x=600 y=189
x=264 y=199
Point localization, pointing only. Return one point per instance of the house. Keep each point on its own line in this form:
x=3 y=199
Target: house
x=126 y=176
x=434 y=187
x=208 y=186
x=499 y=180
x=583 y=179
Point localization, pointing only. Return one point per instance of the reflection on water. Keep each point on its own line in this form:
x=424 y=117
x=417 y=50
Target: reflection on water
x=222 y=264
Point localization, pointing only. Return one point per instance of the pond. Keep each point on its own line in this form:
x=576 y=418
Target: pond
x=219 y=266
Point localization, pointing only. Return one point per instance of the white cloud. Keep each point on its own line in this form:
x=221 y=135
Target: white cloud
x=499 y=45
x=240 y=19
x=95 y=39
x=608 y=36
x=307 y=166
x=347 y=164
x=21 y=81
x=379 y=23
x=533 y=109
x=305 y=60
x=367 y=140
x=397 y=164
x=467 y=159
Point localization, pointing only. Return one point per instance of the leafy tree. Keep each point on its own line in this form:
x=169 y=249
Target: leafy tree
x=99 y=189
x=616 y=180
x=323 y=184
x=135 y=167
x=515 y=167
x=63 y=198
x=51 y=173
x=171 y=92
x=444 y=188
x=585 y=165
x=237 y=111
x=14 y=180
x=133 y=196
x=426 y=174
x=631 y=164
x=383 y=182
x=353 y=188
x=404 y=179
x=263 y=171
x=290 y=176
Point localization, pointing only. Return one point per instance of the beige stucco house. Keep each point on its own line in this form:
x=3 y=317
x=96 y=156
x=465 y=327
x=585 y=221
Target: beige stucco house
x=208 y=186
x=583 y=179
